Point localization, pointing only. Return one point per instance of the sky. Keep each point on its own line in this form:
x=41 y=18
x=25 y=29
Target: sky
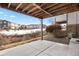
x=49 y=20
x=20 y=18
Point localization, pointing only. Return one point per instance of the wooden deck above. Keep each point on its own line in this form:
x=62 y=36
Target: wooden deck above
x=42 y=10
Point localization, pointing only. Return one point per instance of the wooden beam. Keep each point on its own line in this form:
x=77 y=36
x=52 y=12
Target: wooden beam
x=26 y=7
x=42 y=4
x=18 y=6
x=42 y=9
x=32 y=10
x=42 y=13
x=9 y=5
x=59 y=12
x=36 y=12
x=39 y=17
x=62 y=8
x=49 y=6
x=57 y=7
x=64 y=11
x=39 y=13
x=0 y=6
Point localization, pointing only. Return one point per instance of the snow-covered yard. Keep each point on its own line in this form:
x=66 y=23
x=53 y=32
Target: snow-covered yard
x=20 y=32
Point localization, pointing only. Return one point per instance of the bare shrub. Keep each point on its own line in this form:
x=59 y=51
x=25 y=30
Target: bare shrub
x=15 y=38
x=34 y=35
x=26 y=37
x=4 y=40
x=1 y=40
x=51 y=28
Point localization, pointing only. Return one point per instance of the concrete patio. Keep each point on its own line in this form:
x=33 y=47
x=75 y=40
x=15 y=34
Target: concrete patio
x=43 y=48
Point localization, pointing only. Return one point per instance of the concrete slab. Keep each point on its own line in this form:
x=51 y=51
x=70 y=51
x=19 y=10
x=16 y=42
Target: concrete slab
x=43 y=48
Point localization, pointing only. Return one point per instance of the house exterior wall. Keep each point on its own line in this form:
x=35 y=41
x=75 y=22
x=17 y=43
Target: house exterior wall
x=73 y=23
x=4 y=24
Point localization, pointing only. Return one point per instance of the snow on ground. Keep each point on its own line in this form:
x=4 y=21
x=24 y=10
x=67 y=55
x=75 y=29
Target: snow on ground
x=20 y=32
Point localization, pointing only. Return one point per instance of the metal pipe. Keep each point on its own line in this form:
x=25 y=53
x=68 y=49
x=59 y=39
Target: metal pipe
x=41 y=29
x=67 y=23
x=76 y=26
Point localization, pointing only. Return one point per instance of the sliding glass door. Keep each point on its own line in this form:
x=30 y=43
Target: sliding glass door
x=56 y=28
